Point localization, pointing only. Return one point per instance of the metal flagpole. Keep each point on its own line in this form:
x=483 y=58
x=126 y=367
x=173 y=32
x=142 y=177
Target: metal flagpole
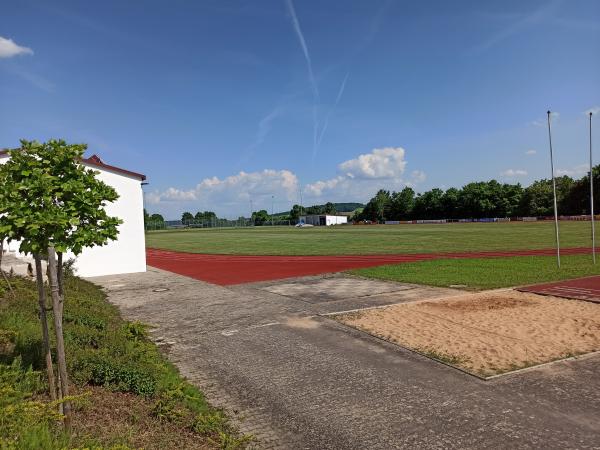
x=554 y=192
x=592 y=197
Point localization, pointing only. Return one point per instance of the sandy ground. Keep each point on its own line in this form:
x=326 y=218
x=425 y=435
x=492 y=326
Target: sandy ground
x=489 y=332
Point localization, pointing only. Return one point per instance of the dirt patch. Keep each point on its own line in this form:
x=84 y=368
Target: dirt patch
x=112 y=418
x=488 y=333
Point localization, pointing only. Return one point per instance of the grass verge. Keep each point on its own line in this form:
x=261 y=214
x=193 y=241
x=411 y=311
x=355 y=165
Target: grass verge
x=127 y=393
x=376 y=239
x=485 y=273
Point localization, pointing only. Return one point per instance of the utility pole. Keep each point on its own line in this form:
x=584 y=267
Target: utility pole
x=554 y=191
x=592 y=197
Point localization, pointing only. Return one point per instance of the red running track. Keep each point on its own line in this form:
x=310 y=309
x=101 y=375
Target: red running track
x=235 y=269
x=587 y=288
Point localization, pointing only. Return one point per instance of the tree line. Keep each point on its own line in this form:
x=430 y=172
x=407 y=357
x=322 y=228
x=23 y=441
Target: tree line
x=485 y=199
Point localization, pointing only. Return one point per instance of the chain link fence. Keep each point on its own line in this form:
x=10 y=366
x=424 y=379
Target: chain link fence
x=215 y=223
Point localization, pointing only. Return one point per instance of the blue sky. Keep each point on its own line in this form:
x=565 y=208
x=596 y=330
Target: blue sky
x=222 y=102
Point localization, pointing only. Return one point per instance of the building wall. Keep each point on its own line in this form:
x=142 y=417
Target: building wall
x=336 y=220
x=127 y=254
x=314 y=219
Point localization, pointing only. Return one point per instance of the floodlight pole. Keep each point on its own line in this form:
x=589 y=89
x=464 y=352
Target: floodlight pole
x=592 y=197
x=554 y=192
x=251 y=211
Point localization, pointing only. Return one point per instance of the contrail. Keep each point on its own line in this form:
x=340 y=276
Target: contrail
x=298 y=31
x=311 y=75
x=337 y=100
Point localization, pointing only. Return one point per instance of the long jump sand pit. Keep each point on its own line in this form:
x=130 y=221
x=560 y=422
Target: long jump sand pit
x=487 y=333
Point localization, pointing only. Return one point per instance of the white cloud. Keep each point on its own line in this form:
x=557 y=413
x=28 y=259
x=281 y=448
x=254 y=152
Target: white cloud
x=418 y=176
x=357 y=180
x=385 y=162
x=361 y=177
x=230 y=194
x=530 y=152
x=576 y=172
x=9 y=48
x=514 y=173
x=594 y=110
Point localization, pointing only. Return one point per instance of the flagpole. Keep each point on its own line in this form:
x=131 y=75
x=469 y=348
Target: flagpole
x=592 y=197
x=554 y=192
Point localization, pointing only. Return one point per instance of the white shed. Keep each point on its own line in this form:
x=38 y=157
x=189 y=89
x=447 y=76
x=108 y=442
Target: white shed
x=127 y=253
x=323 y=219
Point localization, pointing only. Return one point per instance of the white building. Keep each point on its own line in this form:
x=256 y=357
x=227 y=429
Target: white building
x=323 y=219
x=127 y=253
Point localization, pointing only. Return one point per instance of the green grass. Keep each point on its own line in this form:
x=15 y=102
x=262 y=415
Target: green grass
x=102 y=350
x=381 y=239
x=485 y=273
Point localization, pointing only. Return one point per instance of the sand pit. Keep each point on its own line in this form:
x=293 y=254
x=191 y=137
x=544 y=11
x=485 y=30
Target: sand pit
x=490 y=332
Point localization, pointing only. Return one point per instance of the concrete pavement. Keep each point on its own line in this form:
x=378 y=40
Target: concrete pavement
x=299 y=380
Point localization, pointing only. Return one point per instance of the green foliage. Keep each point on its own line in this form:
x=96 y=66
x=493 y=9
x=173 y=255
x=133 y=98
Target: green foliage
x=187 y=217
x=135 y=331
x=486 y=199
x=24 y=422
x=157 y=218
x=102 y=349
x=260 y=217
x=121 y=377
x=210 y=423
x=295 y=212
x=206 y=216
x=48 y=197
x=227 y=441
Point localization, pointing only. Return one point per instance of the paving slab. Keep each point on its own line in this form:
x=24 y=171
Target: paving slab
x=298 y=380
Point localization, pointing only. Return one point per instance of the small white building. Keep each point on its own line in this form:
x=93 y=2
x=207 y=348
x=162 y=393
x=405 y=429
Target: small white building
x=323 y=219
x=127 y=253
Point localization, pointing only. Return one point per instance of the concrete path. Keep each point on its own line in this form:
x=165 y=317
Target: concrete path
x=300 y=381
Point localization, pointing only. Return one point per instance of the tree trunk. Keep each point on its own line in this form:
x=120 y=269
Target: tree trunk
x=60 y=343
x=60 y=279
x=46 y=337
x=1 y=270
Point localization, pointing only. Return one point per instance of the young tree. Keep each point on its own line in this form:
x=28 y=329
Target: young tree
x=51 y=203
x=260 y=217
x=329 y=208
x=295 y=213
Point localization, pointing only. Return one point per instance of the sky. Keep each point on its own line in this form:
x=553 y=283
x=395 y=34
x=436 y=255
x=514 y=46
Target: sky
x=226 y=104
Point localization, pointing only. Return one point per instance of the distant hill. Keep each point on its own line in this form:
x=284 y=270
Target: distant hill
x=339 y=207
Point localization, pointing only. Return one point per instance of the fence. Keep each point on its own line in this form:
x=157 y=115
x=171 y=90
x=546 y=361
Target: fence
x=492 y=219
x=215 y=223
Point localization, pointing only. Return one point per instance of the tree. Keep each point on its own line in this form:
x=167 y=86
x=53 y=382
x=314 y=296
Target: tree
x=187 y=217
x=402 y=204
x=51 y=203
x=329 y=208
x=428 y=204
x=260 y=217
x=295 y=213
x=157 y=218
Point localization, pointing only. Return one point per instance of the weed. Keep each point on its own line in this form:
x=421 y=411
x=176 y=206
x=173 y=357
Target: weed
x=447 y=358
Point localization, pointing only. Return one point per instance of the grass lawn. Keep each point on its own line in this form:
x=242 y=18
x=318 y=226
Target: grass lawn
x=127 y=394
x=380 y=239
x=485 y=273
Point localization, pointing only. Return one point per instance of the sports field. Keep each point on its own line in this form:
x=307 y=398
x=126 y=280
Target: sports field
x=371 y=240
